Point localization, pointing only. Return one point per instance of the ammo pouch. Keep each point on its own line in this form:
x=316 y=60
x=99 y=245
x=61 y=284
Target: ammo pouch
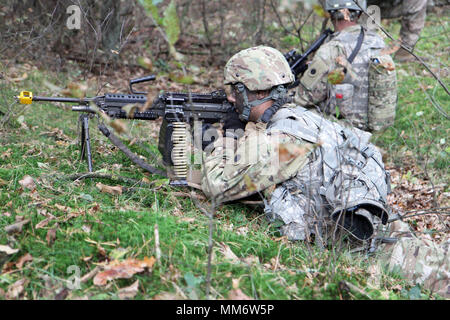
x=342 y=98
x=382 y=92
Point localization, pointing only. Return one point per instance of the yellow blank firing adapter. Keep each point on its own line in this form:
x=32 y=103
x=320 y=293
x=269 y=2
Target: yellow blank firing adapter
x=25 y=97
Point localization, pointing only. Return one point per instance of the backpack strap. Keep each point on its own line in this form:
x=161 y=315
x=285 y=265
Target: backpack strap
x=358 y=46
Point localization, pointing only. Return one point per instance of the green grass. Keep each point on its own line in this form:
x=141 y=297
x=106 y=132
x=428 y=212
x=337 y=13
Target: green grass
x=105 y=222
x=421 y=133
x=128 y=220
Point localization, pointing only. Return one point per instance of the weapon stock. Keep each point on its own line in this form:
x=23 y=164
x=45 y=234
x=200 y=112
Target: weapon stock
x=297 y=62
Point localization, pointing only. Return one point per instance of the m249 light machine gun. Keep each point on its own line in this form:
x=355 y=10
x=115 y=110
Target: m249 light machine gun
x=176 y=109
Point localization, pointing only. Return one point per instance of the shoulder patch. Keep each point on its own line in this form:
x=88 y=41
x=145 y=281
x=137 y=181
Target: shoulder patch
x=314 y=73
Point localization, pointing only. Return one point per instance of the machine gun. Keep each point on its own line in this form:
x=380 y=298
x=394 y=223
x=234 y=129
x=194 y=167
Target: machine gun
x=297 y=61
x=176 y=109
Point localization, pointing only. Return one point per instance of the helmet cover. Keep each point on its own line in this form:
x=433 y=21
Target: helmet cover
x=258 y=68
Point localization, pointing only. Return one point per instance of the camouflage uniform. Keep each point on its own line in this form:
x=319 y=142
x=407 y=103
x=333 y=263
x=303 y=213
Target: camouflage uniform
x=310 y=171
x=413 y=13
x=294 y=192
x=253 y=166
x=349 y=98
x=419 y=260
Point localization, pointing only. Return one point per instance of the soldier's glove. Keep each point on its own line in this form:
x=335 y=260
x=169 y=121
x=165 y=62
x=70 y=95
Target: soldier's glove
x=233 y=126
x=209 y=135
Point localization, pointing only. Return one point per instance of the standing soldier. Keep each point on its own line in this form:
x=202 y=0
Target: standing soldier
x=315 y=176
x=413 y=14
x=338 y=80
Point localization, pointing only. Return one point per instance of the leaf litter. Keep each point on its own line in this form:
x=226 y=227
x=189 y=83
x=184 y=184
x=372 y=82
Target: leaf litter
x=123 y=269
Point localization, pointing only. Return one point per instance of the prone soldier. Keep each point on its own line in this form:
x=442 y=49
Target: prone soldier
x=316 y=177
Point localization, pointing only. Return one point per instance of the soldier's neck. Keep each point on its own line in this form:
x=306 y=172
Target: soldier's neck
x=342 y=24
x=258 y=111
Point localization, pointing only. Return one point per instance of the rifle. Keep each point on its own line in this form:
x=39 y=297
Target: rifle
x=175 y=108
x=297 y=61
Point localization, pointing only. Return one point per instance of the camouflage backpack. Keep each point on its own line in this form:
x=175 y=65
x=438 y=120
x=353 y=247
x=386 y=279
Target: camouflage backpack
x=382 y=92
x=368 y=95
x=345 y=174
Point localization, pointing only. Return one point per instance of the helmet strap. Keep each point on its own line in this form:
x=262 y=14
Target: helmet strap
x=276 y=93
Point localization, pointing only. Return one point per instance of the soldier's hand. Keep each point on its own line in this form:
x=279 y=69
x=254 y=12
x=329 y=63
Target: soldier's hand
x=209 y=135
x=233 y=126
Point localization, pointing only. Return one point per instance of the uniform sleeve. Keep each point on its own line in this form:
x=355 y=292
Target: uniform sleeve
x=313 y=87
x=260 y=160
x=420 y=260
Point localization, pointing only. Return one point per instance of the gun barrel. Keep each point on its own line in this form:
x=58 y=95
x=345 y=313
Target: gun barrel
x=83 y=109
x=58 y=99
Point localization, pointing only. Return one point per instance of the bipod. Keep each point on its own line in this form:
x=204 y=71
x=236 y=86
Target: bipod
x=85 y=141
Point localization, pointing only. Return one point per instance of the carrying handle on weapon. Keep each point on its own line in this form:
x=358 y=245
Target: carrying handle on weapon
x=139 y=80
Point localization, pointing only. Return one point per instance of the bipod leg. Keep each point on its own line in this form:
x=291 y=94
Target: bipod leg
x=82 y=138
x=86 y=140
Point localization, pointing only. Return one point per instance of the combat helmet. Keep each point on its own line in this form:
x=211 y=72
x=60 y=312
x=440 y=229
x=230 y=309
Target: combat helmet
x=331 y=5
x=255 y=69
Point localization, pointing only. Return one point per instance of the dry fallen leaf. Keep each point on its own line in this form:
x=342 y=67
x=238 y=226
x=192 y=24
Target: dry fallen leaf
x=236 y=293
x=145 y=63
x=51 y=236
x=336 y=76
x=290 y=151
x=15 y=289
x=23 y=259
x=8 y=250
x=86 y=228
x=75 y=89
x=390 y=49
x=4 y=156
x=19 y=79
x=168 y=296
x=108 y=189
x=391 y=67
x=119 y=126
x=130 y=110
x=226 y=251
x=319 y=10
x=27 y=182
x=102 y=251
x=123 y=270
x=16 y=227
x=88 y=276
x=62 y=208
x=43 y=223
x=251 y=260
x=95 y=208
x=129 y=292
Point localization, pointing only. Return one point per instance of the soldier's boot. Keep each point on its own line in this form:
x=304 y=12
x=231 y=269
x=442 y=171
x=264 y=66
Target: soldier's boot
x=404 y=56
